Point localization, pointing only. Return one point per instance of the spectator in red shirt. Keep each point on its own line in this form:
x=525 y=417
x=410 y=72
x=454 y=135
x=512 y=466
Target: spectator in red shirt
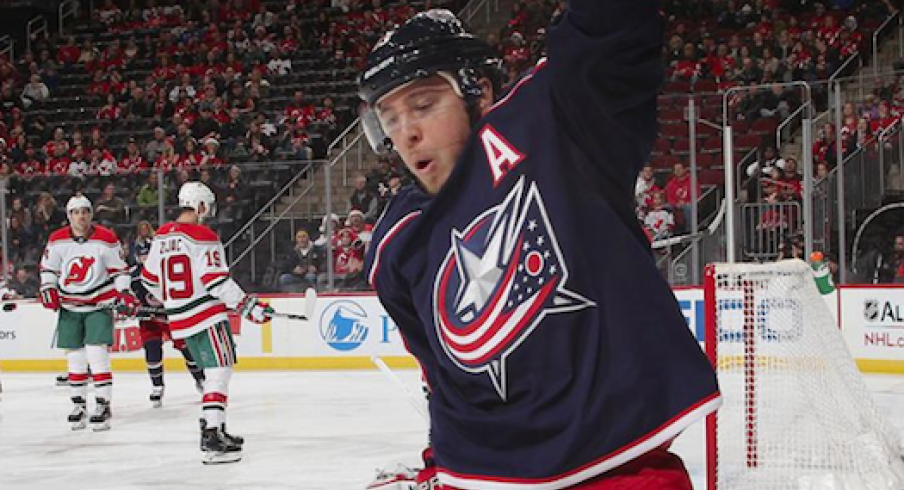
x=58 y=164
x=678 y=191
x=110 y=110
x=68 y=53
x=58 y=141
x=645 y=187
x=30 y=166
x=792 y=181
x=131 y=164
x=348 y=260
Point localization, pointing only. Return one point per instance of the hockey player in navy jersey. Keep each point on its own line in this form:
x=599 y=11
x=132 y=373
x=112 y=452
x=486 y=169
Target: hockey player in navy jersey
x=516 y=269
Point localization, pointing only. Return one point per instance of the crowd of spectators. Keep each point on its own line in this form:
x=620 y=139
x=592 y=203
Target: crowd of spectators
x=201 y=89
x=198 y=90
x=306 y=264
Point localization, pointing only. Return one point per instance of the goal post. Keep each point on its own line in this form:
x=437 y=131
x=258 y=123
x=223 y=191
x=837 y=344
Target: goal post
x=797 y=414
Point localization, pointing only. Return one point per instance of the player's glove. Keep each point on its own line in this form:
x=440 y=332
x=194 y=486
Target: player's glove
x=254 y=309
x=127 y=304
x=50 y=298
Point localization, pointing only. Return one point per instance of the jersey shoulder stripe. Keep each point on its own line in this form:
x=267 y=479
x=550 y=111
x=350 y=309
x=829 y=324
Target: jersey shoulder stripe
x=198 y=233
x=60 y=234
x=100 y=234
x=104 y=234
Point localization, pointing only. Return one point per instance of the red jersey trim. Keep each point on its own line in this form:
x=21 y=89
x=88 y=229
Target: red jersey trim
x=662 y=435
x=393 y=231
x=151 y=278
x=208 y=278
x=199 y=233
x=99 y=233
x=197 y=318
x=77 y=301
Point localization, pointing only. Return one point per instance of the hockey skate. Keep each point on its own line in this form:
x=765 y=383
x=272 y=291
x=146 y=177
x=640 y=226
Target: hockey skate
x=100 y=420
x=78 y=418
x=220 y=447
x=399 y=478
x=62 y=380
x=157 y=396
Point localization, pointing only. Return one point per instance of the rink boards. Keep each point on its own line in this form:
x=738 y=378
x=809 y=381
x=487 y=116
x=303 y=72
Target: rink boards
x=346 y=331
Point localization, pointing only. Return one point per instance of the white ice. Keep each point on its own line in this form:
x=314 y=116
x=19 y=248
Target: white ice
x=303 y=430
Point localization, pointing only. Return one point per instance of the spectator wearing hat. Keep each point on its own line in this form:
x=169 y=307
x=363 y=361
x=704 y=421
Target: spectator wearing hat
x=209 y=157
x=303 y=266
x=362 y=230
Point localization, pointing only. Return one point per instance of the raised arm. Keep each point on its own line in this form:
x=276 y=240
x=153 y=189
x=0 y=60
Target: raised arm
x=605 y=58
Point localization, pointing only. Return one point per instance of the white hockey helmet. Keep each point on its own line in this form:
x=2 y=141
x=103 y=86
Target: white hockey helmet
x=192 y=194
x=78 y=202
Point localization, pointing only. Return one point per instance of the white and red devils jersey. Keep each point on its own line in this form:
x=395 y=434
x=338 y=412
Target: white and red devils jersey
x=185 y=264
x=87 y=270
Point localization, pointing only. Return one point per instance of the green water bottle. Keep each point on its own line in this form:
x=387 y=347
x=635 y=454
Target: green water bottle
x=821 y=273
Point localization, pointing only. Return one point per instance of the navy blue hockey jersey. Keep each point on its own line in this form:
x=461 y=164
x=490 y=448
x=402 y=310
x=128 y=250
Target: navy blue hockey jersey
x=526 y=288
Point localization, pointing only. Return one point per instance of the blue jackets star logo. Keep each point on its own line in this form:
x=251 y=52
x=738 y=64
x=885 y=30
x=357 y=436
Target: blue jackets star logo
x=502 y=275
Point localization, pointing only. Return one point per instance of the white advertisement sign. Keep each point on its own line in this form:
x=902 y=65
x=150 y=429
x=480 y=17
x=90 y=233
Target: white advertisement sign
x=346 y=330
x=873 y=322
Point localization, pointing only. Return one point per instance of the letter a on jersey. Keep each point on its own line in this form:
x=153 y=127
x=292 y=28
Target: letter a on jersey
x=78 y=270
x=501 y=276
x=502 y=157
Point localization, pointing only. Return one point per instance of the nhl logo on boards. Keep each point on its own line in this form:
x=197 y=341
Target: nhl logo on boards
x=501 y=276
x=79 y=270
x=343 y=325
x=871 y=309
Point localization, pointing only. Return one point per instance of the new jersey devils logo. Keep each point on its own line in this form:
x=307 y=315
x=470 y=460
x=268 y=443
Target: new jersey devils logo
x=502 y=275
x=78 y=270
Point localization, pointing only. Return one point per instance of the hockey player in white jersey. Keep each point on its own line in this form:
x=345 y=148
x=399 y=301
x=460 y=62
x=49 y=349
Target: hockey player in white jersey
x=187 y=271
x=82 y=275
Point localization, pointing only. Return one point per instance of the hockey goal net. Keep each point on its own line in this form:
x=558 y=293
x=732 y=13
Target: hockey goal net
x=797 y=415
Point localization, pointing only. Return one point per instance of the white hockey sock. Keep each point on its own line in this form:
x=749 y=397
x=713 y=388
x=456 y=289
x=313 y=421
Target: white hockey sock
x=216 y=393
x=77 y=364
x=99 y=359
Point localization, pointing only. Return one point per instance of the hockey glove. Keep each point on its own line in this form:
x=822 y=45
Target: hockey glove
x=255 y=310
x=127 y=304
x=50 y=298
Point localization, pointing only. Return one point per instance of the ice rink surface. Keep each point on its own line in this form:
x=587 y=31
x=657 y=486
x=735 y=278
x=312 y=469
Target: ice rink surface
x=303 y=430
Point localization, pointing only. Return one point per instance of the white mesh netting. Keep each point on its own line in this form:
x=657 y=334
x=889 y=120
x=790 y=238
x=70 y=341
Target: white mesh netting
x=797 y=414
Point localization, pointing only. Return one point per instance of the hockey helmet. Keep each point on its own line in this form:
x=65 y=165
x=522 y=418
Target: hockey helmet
x=429 y=43
x=192 y=194
x=78 y=202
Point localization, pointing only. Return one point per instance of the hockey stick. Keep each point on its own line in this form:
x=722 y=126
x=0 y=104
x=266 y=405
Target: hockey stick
x=413 y=400
x=310 y=303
